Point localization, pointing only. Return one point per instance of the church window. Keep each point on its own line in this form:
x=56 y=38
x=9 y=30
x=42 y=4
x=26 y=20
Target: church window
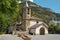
x=37 y=22
x=28 y=11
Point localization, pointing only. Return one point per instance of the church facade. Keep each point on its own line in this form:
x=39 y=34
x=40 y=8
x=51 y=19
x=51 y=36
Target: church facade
x=32 y=24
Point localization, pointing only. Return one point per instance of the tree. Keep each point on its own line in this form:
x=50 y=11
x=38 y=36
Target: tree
x=52 y=29
x=58 y=29
x=9 y=10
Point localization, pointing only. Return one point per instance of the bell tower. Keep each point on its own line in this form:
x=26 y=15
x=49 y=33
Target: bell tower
x=26 y=17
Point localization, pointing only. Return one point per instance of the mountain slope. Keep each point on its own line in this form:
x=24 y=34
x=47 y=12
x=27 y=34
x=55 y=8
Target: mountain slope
x=46 y=14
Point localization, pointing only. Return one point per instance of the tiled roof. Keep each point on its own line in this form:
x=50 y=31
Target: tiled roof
x=37 y=25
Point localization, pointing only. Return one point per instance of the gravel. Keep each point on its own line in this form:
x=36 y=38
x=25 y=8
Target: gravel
x=33 y=37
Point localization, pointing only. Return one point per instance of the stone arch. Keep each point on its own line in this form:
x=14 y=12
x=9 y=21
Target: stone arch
x=42 y=31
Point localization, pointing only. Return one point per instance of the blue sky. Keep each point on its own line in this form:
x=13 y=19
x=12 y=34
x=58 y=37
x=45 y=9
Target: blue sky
x=53 y=4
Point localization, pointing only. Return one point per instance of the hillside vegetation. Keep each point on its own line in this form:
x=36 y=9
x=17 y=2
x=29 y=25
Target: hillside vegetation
x=46 y=14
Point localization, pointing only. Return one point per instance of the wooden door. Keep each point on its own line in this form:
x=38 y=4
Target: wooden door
x=42 y=31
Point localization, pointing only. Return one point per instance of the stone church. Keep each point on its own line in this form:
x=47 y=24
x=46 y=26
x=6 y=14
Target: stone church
x=32 y=25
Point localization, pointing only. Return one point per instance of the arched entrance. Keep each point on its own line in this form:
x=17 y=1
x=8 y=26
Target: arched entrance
x=42 y=31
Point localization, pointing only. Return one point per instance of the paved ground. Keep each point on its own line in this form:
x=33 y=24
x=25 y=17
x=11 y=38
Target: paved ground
x=10 y=37
x=46 y=37
x=36 y=37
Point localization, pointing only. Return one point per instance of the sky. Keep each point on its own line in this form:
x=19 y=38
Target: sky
x=52 y=4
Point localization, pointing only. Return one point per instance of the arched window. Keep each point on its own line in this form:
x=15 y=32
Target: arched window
x=28 y=11
x=37 y=22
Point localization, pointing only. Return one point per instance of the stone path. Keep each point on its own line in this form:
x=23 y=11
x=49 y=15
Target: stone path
x=46 y=37
x=10 y=37
x=34 y=37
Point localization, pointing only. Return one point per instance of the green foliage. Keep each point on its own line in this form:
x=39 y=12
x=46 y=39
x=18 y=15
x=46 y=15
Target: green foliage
x=54 y=29
x=23 y=0
x=3 y=24
x=58 y=29
x=58 y=16
x=9 y=12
